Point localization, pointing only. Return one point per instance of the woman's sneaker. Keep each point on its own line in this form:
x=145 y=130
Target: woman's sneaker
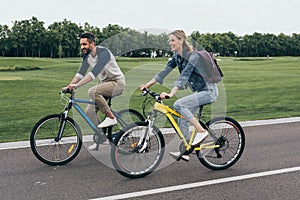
x=199 y=138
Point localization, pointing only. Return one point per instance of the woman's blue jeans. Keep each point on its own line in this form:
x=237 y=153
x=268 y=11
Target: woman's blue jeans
x=188 y=106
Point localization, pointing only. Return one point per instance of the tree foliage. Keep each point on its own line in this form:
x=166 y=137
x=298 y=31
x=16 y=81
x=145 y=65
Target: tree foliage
x=60 y=39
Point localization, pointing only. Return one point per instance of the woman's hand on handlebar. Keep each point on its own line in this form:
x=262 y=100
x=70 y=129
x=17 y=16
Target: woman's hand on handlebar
x=142 y=87
x=165 y=95
x=147 y=85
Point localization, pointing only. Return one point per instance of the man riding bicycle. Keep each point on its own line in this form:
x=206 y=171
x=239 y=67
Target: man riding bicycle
x=111 y=79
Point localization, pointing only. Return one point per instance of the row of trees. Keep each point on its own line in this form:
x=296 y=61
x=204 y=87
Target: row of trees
x=257 y=44
x=32 y=38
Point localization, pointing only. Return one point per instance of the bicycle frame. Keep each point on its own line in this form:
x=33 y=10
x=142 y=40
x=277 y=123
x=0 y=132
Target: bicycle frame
x=74 y=102
x=82 y=113
x=169 y=113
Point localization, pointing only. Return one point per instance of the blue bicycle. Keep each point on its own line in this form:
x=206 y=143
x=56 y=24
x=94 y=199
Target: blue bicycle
x=57 y=139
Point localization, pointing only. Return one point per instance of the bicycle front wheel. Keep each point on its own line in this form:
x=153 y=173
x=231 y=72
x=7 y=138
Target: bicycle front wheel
x=138 y=152
x=229 y=136
x=50 y=149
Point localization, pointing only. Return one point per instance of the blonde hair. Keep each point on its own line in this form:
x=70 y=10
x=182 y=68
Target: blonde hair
x=180 y=34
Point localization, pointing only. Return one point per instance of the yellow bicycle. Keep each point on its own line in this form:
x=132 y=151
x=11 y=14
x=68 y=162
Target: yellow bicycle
x=140 y=146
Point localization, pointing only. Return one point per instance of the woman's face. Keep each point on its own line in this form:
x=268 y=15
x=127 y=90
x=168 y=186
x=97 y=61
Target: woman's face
x=175 y=43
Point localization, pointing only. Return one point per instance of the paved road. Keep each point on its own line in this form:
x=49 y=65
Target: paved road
x=268 y=148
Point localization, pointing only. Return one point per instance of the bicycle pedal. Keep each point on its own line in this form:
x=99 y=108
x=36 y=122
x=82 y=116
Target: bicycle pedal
x=185 y=158
x=181 y=156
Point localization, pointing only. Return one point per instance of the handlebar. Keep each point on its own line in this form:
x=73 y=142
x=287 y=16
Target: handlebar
x=68 y=91
x=153 y=94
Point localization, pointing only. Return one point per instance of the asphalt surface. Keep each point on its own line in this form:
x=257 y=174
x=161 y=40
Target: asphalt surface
x=268 y=148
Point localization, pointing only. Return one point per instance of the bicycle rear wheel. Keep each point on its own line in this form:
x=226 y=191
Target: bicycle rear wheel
x=124 y=118
x=229 y=135
x=134 y=156
x=46 y=147
x=130 y=116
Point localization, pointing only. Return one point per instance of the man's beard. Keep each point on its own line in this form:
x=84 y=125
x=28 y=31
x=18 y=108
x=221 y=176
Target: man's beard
x=87 y=51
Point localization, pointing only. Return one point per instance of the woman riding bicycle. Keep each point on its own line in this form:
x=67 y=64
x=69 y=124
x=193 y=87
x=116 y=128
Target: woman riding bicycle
x=190 y=70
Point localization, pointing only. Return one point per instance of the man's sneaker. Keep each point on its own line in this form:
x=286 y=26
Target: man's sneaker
x=183 y=157
x=199 y=138
x=108 y=122
x=93 y=147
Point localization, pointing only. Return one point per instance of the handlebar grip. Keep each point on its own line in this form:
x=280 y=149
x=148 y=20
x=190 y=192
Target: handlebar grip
x=145 y=92
x=67 y=91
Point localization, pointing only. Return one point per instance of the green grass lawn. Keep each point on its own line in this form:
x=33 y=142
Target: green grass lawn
x=255 y=88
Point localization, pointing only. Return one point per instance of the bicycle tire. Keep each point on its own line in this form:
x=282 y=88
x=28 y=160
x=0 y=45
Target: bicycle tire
x=44 y=146
x=231 y=139
x=136 y=164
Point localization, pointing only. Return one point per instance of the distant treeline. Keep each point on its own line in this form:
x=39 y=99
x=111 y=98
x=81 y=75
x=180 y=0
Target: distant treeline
x=30 y=38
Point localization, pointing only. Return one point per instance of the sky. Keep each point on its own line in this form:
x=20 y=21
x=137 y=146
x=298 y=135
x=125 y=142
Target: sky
x=210 y=16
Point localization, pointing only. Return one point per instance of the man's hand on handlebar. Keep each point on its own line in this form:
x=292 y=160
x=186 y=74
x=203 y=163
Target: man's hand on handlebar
x=73 y=86
x=69 y=87
x=64 y=88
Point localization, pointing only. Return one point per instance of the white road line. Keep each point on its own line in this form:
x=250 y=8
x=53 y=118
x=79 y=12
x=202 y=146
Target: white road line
x=26 y=144
x=270 y=121
x=199 y=184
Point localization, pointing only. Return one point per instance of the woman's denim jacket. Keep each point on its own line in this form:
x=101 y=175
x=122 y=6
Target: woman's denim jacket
x=190 y=72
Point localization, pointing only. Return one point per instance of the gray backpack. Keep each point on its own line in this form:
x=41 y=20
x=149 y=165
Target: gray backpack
x=213 y=73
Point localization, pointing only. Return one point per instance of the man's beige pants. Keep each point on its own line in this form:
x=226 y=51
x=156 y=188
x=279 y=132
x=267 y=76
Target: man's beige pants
x=98 y=93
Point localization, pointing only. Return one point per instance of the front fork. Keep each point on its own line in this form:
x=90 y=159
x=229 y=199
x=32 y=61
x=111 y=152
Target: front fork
x=145 y=136
x=62 y=119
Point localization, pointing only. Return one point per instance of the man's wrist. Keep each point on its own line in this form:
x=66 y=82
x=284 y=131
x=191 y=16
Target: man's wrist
x=74 y=86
